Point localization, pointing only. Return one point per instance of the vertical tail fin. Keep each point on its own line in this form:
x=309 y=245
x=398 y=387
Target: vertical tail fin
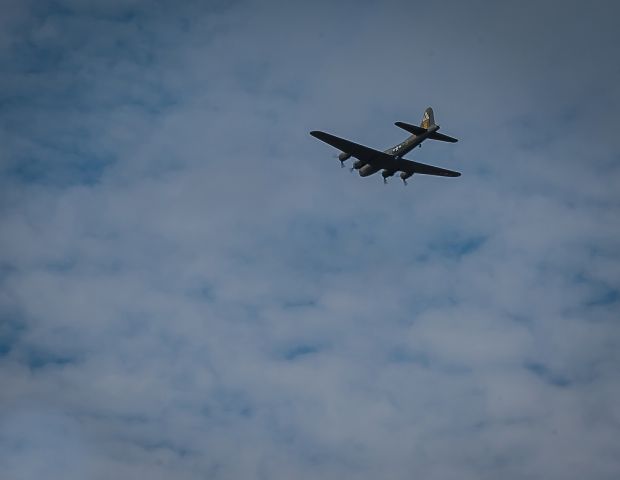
x=428 y=119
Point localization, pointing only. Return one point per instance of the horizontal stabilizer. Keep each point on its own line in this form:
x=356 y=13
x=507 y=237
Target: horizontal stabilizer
x=442 y=137
x=411 y=128
x=414 y=129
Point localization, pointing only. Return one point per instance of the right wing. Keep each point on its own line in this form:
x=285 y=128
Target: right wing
x=409 y=166
x=365 y=154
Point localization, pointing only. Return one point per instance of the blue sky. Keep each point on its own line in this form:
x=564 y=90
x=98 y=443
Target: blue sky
x=192 y=288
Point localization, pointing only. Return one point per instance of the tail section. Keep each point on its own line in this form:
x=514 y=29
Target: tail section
x=428 y=119
x=428 y=122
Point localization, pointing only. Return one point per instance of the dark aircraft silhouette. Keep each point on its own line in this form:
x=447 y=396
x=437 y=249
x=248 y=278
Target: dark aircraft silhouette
x=370 y=161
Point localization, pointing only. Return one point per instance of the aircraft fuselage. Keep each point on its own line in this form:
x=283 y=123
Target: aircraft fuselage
x=403 y=148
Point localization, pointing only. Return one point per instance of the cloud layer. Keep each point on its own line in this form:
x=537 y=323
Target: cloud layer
x=192 y=288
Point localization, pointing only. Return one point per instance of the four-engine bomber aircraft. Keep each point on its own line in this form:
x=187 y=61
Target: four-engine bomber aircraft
x=370 y=161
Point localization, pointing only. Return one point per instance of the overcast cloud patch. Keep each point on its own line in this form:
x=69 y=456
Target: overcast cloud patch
x=191 y=286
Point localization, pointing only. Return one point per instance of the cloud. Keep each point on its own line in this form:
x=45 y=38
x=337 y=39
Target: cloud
x=192 y=288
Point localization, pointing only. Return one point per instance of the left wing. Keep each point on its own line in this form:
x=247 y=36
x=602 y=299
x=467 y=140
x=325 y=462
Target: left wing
x=380 y=159
x=365 y=154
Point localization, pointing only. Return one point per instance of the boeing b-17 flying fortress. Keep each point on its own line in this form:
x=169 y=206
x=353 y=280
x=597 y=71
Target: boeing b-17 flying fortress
x=390 y=161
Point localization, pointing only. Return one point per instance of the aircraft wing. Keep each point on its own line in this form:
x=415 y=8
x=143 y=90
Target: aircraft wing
x=380 y=159
x=365 y=154
x=410 y=166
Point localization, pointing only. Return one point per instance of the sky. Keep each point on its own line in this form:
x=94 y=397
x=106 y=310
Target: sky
x=192 y=288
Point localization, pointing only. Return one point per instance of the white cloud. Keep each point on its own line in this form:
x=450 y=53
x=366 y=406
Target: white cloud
x=192 y=288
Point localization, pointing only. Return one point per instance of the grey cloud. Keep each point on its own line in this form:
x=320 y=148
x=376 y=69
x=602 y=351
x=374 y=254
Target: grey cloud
x=192 y=288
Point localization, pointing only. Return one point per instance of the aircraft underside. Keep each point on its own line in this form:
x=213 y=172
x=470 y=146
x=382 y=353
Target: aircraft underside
x=367 y=170
x=370 y=161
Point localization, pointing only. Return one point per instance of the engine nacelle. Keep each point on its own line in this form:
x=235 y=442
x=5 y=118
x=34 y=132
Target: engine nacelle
x=344 y=156
x=388 y=173
x=358 y=164
x=405 y=175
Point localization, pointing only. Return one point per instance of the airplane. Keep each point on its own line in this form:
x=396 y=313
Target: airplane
x=390 y=161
